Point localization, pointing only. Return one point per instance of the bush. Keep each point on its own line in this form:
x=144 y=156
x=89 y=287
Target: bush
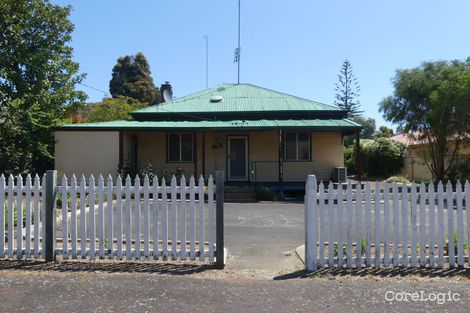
x=398 y=179
x=381 y=157
x=349 y=161
x=461 y=171
x=266 y=194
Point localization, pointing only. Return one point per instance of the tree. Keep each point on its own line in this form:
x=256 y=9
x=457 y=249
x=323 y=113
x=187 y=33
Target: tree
x=432 y=103
x=384 y=132
x=367 y=132
x=37 y=82
x=131 y=78
x=347 y=90
x=111 y=109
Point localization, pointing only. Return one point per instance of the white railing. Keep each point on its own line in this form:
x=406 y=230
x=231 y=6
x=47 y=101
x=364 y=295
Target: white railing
x=110 y=218
x=386 y=225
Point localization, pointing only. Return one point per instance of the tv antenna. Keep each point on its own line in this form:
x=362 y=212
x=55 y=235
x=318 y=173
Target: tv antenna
x=238 y=49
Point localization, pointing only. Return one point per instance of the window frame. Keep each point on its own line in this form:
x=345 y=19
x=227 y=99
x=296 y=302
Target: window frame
x=309 y=159
x=168 y=160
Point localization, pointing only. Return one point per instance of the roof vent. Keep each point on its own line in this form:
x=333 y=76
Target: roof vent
x=217 y=99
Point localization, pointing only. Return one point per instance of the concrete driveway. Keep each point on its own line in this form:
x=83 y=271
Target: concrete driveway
x=262 y=236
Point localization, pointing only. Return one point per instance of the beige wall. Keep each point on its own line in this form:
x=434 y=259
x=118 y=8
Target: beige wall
x=415 y=167
x=327 y=152
x=98 y=152
x=87 y=152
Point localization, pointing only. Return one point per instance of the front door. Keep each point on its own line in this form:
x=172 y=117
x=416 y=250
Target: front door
x=237 y=158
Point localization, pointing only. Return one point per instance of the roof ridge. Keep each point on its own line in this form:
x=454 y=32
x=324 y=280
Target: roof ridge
x=293 y=96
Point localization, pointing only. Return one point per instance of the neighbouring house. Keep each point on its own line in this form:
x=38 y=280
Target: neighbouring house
x=254 y=134
x=415 y=167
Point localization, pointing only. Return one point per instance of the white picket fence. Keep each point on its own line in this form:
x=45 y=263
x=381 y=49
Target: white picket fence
x=386 y=225
x=111 y=218
x=23 y=235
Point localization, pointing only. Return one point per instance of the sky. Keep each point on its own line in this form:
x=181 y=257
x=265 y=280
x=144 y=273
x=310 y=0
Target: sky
x=295 y=46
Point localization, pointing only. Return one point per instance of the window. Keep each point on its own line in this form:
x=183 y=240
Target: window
x=180 y=147
x=297 y=146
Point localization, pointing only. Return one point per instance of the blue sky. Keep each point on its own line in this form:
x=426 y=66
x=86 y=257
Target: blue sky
x=292 y=46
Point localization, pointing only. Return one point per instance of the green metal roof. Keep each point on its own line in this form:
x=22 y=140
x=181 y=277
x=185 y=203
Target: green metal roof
x=237 y=98
x=235 y=124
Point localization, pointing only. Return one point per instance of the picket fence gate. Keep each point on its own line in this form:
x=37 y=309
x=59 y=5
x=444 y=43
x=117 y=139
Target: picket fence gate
x=386 y=225
x=108 y=219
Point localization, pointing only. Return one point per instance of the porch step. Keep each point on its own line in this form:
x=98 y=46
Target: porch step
x=242 y=194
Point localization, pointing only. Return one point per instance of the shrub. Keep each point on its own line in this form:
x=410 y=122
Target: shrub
x=398 y=179
x=349 y=161
x=381 y=157
x=266 y=194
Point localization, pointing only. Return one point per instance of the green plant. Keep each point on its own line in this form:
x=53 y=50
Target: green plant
x=456 y=242
x=59 y=200
x=397 y=179
x=363 y=245
x=265 y=194
x=381 y=157
x=349 y=160
x=15 y=215
x=335 y=248
x=135 y=169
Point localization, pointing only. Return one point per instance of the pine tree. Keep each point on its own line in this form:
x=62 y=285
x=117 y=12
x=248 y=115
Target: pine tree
x=347 y=91
x=131 y=77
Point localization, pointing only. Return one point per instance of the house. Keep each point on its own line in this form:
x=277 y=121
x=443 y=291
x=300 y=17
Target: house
x=415 y=167
x=254 y=134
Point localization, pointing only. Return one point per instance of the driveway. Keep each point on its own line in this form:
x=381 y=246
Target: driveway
x=263 y=236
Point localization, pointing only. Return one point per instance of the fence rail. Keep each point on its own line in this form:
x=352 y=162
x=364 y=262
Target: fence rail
x=386 y=225
x=110 y=218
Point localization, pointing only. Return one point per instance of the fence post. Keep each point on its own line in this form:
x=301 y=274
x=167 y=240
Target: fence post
x=311 y=223
x=49 y=222
x=219 y=216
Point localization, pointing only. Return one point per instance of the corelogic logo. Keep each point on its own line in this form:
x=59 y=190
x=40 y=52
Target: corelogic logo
x=422 y=296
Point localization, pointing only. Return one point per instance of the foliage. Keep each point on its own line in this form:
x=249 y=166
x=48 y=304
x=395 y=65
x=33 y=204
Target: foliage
x=134 y=170
x=368 y=124
x=131 y=77
x=384 y=132
x=349 y=161
x=335 y=248
x=111 y=109
x=347 y=90
x=265 y=194
x=432 y=102
x=398 y=179
x=37 y=82
x=367 y=132
x=15 y=215
x=456 y=243
x=461 y=171
x=381 y=157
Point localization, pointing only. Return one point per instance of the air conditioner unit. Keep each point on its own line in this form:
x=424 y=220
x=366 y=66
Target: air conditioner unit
x=339 y=174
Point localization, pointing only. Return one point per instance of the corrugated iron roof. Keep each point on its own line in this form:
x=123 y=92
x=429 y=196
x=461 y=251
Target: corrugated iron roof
x=237 y=98
x=234 y=124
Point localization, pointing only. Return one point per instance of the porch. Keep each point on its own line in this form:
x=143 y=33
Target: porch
x=274 y=157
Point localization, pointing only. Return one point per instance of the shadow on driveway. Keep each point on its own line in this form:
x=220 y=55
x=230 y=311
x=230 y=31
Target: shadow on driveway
x=380 y=272
x=107 y=267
